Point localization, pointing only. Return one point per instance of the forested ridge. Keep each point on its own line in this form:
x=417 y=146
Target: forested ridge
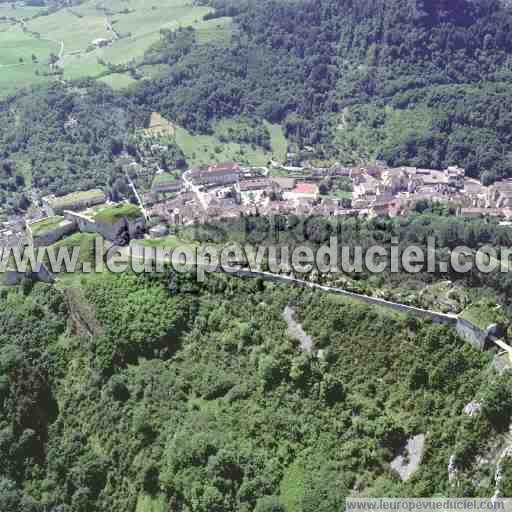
x=209 y=405
x=64 y=139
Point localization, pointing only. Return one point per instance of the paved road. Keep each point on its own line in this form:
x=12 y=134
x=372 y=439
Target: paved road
x=139 y=200
x=195 y=189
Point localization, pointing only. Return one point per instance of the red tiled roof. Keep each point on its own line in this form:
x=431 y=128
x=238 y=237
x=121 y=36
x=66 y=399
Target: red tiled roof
x=306 y=188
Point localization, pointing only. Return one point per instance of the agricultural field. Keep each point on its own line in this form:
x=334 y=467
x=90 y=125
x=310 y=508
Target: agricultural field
x=159 y=126
x=20 y=11
x=76 y=32
x=89 y=37
x=204 y=149
x=278 y=141
x=20 y=56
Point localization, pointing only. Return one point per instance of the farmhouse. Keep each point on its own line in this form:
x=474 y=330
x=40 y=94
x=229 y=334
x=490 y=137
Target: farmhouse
x=101 y=42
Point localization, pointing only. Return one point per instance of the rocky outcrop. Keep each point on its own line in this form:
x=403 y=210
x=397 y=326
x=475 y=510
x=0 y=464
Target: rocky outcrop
x=408 y=462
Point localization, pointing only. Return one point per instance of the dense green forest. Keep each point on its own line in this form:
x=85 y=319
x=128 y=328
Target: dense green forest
x=59 y=139
x=66 y=139
x=154 y=391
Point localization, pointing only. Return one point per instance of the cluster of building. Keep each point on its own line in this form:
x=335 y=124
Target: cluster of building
x=229 y=190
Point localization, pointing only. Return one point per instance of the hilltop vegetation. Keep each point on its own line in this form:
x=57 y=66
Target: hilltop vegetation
x=50 y=40
x=157 y=392
x=68 y=138
x=153 y=392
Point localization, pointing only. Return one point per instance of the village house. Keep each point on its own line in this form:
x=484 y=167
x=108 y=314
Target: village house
x=395 y=180
x=500 y=194
x=303 y=191
x=284 y=184
x=456 y=177
x=366 y=188
x=164 y=186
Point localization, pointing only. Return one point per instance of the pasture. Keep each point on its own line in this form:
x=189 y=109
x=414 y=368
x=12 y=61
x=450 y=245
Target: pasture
x=19 y=11
x=20 y=56
x=118 y=80
x=89 y=36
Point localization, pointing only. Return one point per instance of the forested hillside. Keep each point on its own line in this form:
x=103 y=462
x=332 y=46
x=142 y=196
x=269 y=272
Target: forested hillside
x=66 y=139
x=410 y=81
x=425 y=83
x=154 y=393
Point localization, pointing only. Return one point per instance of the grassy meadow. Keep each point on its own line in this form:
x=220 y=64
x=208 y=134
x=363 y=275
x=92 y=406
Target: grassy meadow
x=136 y=23
x=204 y=149
x=20 y=56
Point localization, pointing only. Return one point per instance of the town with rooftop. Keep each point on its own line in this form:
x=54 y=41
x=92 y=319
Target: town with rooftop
x=161 y=201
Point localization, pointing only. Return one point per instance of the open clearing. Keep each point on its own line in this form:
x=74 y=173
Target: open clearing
x=204 y=149
x=118 y=80
x=278 y=141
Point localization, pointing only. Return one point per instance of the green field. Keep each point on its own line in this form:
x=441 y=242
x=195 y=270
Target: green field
x=17 y=66
x=118 y=80
x=83 y=64
x=137 y=23
x=279 y=142
x=16 y=45
x=204 y=149
x=76 y=33
x=20 y=12
x=217 y=30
